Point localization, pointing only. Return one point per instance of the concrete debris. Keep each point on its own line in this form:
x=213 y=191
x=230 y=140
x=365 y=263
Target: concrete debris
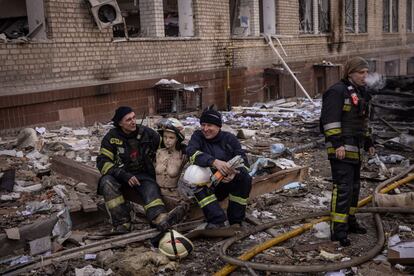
x=37 y=207
x=40 y=130
x=322 y=229
x=12 y=153
x=40 y=246
x=401 y=253
x=28 y=189
x=403 y=228
x=10 y=197
x=330 y=256
x=13 y=233
x=89 y=270
x=63 y=227
x=27 y=138
x=245 y=133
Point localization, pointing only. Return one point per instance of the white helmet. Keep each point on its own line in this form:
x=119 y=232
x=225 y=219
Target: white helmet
x=197 y=176
x=174 y=245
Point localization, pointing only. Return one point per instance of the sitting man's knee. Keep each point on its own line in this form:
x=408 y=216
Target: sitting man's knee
x=108 y=184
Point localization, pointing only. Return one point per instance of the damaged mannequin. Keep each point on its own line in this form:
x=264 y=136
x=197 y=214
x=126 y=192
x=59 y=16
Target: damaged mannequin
x=171 y=159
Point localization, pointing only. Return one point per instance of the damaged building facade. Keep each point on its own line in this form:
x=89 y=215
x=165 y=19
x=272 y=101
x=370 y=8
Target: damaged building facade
x=74 y=61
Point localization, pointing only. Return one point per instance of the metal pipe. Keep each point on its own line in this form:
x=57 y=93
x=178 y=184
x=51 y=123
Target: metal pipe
x=270 y=42
x=257 y=249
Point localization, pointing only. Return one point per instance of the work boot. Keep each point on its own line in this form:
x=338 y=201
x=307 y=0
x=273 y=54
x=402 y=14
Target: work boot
x=171 y=218
x=356 y=229
x=211 y=225
x=343 y=241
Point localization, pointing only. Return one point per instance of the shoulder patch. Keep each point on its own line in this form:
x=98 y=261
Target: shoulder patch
x=115 y=141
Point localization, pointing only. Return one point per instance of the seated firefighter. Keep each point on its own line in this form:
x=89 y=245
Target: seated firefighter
x=170 y=159
x=214 y=148
x=126 y=158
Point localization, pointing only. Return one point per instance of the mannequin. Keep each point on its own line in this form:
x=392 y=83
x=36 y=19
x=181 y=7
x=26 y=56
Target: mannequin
x=170 y=159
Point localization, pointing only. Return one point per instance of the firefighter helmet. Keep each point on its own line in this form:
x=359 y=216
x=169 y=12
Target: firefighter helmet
x=174 y=245
x=197 y=176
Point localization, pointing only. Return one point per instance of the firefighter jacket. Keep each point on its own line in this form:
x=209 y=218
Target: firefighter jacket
x=344 y=120
x=123 y=156
x=224 y=146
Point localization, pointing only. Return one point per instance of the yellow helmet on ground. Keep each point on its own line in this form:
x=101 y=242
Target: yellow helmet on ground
x=174 y=245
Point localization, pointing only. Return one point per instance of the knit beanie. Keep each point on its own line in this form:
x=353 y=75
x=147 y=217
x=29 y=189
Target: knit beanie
x=211 y=116
x=120 y=113
x=354 y=65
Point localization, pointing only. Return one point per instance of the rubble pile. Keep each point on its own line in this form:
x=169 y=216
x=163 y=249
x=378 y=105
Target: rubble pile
x=44 y=212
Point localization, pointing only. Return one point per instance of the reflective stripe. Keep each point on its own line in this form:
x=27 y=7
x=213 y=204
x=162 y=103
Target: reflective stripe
x=332 y=125
x=333 y=131
x=247 y=168
x=347 y=101
x=115 y=202
x=337 y=217
x=237 y=199
x=334 y=197
x=207 y=200
x=107 y=153
x=348 y=154
x=106 y=167
x=154 y=203
x=193 y=157
x=347 y=107
x=351 y=148
x=352 y=210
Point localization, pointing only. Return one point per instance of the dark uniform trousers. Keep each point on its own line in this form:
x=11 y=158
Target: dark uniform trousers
x=345 y=193
x=119 y=210
x=237 y=191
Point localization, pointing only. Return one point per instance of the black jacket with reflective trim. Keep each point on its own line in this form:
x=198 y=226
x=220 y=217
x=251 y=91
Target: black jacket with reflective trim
x=350 y=119
x=123 y=155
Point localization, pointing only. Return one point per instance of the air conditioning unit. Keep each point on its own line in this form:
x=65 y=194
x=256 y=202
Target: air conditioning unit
x=106 y=13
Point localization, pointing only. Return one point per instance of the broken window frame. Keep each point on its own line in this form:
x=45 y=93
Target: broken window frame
x=390 y=16
x=306 y=17
x=324 y=17
x=267 y=15
x=362 y=16
x=410 y=66
x=409 y=16
x=124 y=28
x=36 y=20
x=242 y=25
x=396 y=70
x=349 y=16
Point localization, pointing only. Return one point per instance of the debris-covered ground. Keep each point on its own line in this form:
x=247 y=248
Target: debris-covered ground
x=55 y=213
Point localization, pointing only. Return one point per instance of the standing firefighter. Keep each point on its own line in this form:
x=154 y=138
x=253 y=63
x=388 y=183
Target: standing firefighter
x=126 y=158
x=344 y=121
x=212 y=147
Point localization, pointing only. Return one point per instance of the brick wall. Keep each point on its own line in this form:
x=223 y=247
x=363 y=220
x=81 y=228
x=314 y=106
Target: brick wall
x=77 y=56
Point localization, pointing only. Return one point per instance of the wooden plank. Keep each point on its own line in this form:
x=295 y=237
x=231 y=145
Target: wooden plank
x=88 y=205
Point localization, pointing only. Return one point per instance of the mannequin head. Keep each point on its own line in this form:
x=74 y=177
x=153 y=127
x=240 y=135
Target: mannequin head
x=170 y=139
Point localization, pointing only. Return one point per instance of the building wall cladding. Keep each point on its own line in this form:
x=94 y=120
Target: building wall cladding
x=78 y=62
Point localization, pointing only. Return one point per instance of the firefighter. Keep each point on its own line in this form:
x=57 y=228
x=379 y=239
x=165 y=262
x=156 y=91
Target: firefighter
x=126 y=158
x=344 y=120
x=212 y=147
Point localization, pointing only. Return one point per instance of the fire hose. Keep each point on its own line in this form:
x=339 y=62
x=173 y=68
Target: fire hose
x=243 y=259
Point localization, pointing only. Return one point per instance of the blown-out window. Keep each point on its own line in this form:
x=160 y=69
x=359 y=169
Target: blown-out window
x=356 y=16
x=268 y=16
x=22 y=19
x=390 y=16
x=309 y=20
x=410 y=22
